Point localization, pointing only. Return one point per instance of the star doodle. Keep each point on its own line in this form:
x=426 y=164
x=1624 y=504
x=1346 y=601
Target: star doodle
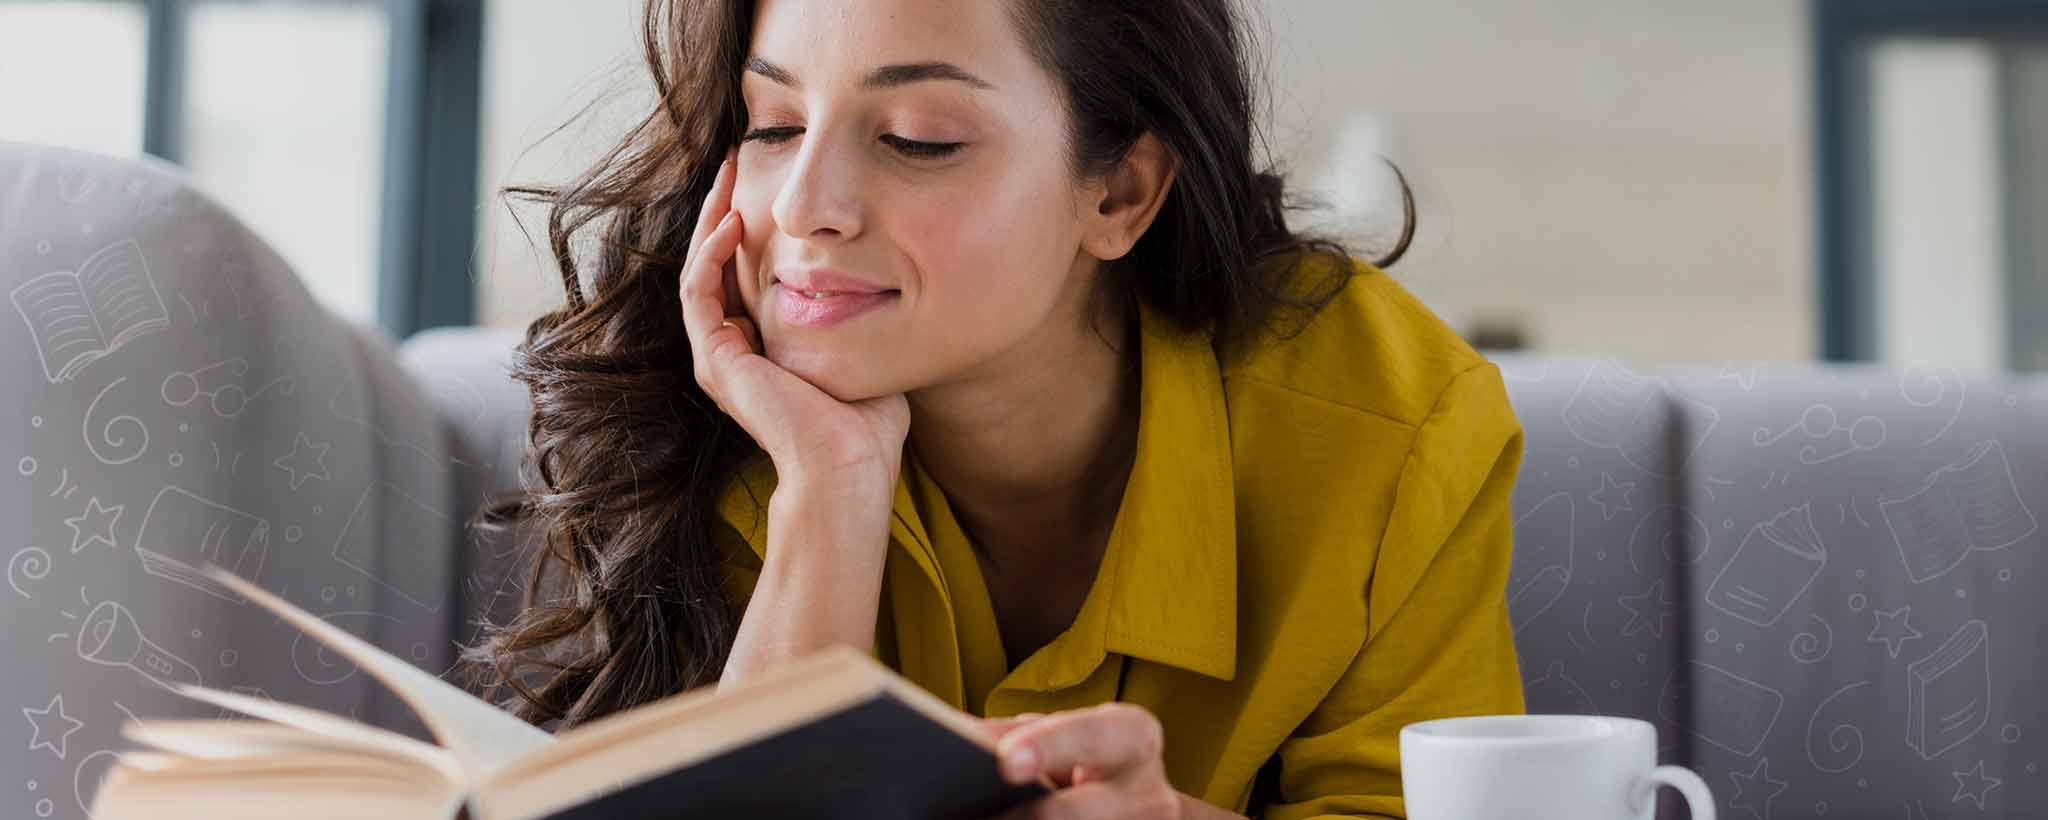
x=1983 y=785
x=1601 y=497
x=306 y=460
x=52 y=715
x=1757 y=784
x=1893 y=628
x=1639 y=616
x=95 y=524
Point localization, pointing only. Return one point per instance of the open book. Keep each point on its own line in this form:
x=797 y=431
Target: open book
x=832 y=734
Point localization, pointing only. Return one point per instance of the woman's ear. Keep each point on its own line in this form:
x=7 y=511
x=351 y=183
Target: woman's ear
x=1128 y=199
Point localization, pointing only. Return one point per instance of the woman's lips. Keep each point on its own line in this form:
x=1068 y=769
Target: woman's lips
x=794 y=308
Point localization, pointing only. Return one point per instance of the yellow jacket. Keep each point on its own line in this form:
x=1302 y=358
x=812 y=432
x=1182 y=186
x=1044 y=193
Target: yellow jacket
x=1312 y=552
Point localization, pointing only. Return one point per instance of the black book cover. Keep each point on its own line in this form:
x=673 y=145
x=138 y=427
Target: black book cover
x=878 y=758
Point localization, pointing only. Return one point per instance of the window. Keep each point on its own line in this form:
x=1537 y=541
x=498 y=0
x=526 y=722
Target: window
x=54 y=54
x=343 y=132
x=283 y=121
x=1933 y=149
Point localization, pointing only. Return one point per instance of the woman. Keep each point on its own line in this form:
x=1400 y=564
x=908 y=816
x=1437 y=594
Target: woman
x=969 y=334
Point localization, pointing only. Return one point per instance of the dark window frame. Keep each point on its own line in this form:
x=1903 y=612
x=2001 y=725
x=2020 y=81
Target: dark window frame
x=427 y=222
x=1840 y=28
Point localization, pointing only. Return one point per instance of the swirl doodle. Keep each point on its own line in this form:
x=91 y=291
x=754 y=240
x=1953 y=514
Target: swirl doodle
x=108 y=433
x=1940 y=392
x=1842 y=738
x=1810 y=648
x=31 y=563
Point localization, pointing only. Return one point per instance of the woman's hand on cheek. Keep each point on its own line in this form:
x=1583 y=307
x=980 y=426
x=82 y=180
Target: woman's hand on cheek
x=1106 y=759
x=806 y=432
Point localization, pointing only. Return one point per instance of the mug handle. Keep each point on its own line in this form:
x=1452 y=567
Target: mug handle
x=1698 y=801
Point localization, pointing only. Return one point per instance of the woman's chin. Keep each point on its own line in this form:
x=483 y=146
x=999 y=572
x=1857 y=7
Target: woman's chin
x=835 y=373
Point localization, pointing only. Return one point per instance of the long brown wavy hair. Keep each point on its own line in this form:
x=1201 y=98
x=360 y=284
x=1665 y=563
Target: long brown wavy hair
x=628 y=453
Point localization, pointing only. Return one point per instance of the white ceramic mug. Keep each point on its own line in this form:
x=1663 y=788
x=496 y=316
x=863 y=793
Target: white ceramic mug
x=1516 y=767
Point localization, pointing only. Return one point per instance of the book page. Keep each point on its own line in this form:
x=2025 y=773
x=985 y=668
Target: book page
x=231 y=738
x=482 y=737
x=312 y=722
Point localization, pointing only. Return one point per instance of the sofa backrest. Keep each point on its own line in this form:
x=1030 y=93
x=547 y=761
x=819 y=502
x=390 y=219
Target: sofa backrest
x=176 y=396
x=1819 y=582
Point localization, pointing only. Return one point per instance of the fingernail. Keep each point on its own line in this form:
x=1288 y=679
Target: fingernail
x=727 y=220
x=726 y=324
x=1022 y=761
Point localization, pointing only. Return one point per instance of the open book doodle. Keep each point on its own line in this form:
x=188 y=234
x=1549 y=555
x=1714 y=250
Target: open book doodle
x=1971 y=504
x=79 y=316
x=832 y=734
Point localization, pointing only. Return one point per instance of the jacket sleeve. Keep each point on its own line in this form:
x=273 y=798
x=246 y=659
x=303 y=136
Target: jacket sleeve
x=1438 y=642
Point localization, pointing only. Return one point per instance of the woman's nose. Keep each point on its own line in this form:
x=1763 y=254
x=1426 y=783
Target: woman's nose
x=821 y=192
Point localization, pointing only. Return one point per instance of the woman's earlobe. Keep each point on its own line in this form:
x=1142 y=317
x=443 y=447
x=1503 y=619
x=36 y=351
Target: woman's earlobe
x=1109 y=247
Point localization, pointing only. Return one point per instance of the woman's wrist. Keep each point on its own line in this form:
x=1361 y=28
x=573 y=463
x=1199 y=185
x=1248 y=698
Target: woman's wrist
x=821 y=579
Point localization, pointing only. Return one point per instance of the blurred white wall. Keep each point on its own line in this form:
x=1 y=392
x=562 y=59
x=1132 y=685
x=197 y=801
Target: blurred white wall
x=544 y=61
x=1938 y=200
x=1617 y=177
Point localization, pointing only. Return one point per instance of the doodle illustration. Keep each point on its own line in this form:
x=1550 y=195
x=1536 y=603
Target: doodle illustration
x=180 y=530
x=31 y=563
x=1940 y=382
x=1685 y=542
x=398 y=512
x=1543 y=570
x=1893 y=627
x=1556 y=693
x=1843 y=738
x=77 y=317
x=110 y=637
x=1732 y=712
x=220 y=384
x=1612 y=496
x=1969 y=505
x=1755 y=790
x=1972 y=784
x=1813 y=647
x=109 y=435
x=49 y=727
x=1948 y=693
x=1820 y=423
x=307 y=460
x=85 y=782
x=95 y=524
x=1614 y=409
x=318 y=663
x=1648 y=610
x=1772 y=567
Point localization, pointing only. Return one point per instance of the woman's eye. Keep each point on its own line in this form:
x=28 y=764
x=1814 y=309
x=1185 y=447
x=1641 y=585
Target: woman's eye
x=771 y=136
x=926 y=150
x=911 y=148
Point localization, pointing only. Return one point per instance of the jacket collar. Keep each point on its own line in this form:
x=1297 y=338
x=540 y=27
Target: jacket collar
x=1167 y=587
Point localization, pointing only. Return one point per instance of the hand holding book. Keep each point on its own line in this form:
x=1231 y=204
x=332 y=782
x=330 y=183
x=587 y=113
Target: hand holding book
x=1105 y=759
x=831 y=734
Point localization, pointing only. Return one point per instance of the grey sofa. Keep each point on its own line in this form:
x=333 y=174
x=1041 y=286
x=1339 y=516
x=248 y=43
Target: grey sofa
x=1820 y=583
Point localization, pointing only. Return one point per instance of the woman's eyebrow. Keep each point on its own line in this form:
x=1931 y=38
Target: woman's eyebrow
x=888 y=76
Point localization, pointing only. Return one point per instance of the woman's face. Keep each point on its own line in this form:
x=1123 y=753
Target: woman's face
x=858 y=172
